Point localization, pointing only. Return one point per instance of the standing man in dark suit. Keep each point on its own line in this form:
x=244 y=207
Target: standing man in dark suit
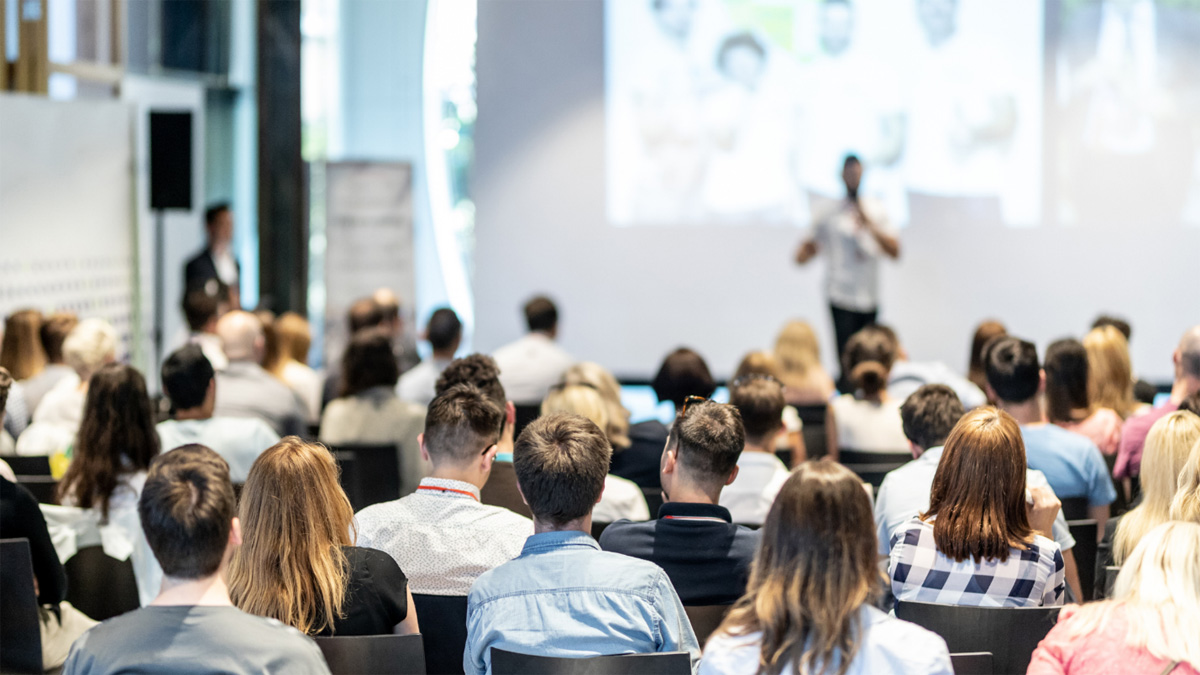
x=216 y=267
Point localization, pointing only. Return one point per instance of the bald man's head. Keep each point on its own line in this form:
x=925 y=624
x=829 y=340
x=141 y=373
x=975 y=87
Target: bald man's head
x=1187 y=355
x=242 y=334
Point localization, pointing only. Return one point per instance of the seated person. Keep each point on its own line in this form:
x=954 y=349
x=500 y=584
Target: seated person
x=791 y=441
x=202 y=311
x=54 y=330
x=245 y=388
x=978 y=543
x=1068 y=402
x=760 y=474
x=867 y=420
x=1186 y=504
x=442 y=536
x=622 y=499
x=289 y=362
x=187 y=511
x=189 y=381
x=929 y=415
x=629 y=461
x=906 y=376
x=298 y=562
x=444 y=333
x=809 y=602
x=1149 y=625
x=683 y=373
x=1071 y=463
x=799 y=356
x=694 y=540
x=1186 y=362
x=564 y=596
x=532 y=364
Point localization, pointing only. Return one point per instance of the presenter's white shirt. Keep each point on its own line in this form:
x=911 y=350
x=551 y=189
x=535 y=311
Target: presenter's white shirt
x=852 y=254
x=530 y=366
x=750 y=495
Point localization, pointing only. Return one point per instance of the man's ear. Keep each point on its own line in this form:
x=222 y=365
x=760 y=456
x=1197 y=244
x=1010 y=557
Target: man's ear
x=670 y=461
x=733 y=475
x=1041 y=380
x=991 y=393
x=522 y=493
x=916 y=449
x=424 y=450
x=235 y=532
x=488 y=458
x=510 y=414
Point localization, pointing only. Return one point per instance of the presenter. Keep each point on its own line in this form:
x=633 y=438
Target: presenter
x=215 y=268
x=853 y=235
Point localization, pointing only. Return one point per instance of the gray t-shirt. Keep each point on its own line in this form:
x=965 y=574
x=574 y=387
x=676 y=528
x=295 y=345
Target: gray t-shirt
x=190 y=639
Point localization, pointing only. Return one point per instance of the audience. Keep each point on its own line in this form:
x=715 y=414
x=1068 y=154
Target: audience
x=1072 y=464
x=1068 y=399
x=535 y=362
x=53 y=332
x=245 y=388
x=298 y=563
x=1110 y=375
x=364 y=313
x=293 y=338
x=190 y=383
x=1186 y=360
x=1143 y=391
x=695 y=541
x=441 y=535
x=563 y=596
x=632 y=460
x=683 y=374
x=759 y=402
x=621 y=499
x=368 y=412
x=867 y=420
x=187 y=511
x=978 y=543
x=444 y=333
x=984 y=333
x=1151 y=623
x=202 y=311
x=763 y=364
x=799 y=358
x=907 y=376
x=808 y=608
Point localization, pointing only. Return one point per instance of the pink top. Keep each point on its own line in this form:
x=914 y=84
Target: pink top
x=1133 y=437
x=1097 y=653
x=1102 y=427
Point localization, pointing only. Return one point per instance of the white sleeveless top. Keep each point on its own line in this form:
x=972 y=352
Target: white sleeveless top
x=867 y=426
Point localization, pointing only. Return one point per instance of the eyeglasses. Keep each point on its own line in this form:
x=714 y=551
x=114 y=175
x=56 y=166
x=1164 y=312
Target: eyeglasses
x=690 y=400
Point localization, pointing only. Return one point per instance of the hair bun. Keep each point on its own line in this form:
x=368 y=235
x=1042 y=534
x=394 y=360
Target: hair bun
x=870 y=376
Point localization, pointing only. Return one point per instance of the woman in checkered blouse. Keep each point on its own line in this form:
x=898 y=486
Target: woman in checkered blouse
x=978 y=544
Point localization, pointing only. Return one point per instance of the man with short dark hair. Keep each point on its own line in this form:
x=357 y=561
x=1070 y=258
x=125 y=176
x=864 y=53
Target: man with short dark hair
x=1186 y=360
x=760 y=473
x=215 y=270
x=53 y=332
x=1071 y=462
x=534 y=363
x=564 y=596
x=188 y=514
x=928 y=416
x=202 y=312
x=442 y=536
x=695 y=540
x=444 y=333
x=190 y=383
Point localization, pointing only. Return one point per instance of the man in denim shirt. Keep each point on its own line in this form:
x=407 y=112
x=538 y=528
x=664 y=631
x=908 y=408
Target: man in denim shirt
x=563 y=596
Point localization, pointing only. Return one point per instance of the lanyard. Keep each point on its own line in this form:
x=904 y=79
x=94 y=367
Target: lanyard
x=436 y=488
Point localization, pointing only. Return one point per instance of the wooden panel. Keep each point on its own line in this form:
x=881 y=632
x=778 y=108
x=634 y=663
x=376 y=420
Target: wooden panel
x=33 y=59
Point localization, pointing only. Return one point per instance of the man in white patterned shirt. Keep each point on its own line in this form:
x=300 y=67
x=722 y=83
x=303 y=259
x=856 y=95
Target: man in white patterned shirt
x=442 y=536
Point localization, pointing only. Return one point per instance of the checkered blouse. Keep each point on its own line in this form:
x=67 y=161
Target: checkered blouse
x=919 y=572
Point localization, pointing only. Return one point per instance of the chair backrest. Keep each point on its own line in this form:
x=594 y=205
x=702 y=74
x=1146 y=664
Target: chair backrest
x=1075 y=508
x=813 y=431
x=374 y=654
x=654 y=500
x=523 y=414
x=1085 y=552
x=666 y=663
x=1009 y=633
x=37 y=465
x=444 y=631
x=871 y=467
x=370 y=474
x=1110 y=580
x=973 y=663
x=100 y=586
x=705 y=619
x=501 y=489
x=598 y=529
x=41 y=487
x=20 y=629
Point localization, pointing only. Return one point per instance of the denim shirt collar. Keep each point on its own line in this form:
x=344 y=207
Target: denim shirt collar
x=547 y=542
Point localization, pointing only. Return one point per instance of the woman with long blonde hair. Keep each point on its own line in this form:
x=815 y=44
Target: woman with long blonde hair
x=1186 y=504
x=298 y=563
x=1164 y=457
x=289 y=362
x=1152 y=622
x=807 y=608
x=1110 y=373
x=799 y=357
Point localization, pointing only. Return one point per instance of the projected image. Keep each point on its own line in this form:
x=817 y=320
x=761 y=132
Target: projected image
x=741 y=111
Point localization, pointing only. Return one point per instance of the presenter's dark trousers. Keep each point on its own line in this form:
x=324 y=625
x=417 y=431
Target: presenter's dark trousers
x=847 y=322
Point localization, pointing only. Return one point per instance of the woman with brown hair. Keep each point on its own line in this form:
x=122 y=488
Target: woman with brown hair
x=21 y=349
x=1068 y=401
x=298 y=563
x=289 y=362
x=867 y=420
x=984 y=333
x=978 y=544
x=807 y=607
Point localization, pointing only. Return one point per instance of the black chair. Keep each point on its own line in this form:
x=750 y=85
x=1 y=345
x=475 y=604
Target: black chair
x=1086 y=549
x=813 y=417
x=41 y=487
x=29 y=466
x=20 y=629
x=667 y=663
x=871 y=467
x=705 y=619
x=444 y=631
x=370 y=474
x=598 y=529
x=1075 y=508
x=524 y=413
x=501 y=490
x=374 y=654
x=1009 y=633
x=972 y=663
x=654 y=500
x=99 y=586
x=1110 y=580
